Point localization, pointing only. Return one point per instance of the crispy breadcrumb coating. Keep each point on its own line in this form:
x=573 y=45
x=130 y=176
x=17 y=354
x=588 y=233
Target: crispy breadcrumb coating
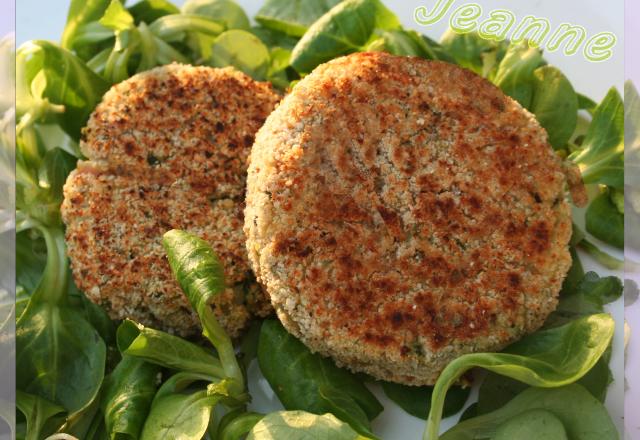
x=402 y=212
x=166 y=149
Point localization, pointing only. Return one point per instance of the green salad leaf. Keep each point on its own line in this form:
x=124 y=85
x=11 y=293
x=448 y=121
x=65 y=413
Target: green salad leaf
x=181 y=409
x=92 y=313
x=579 y=239
x=127 y=396
x=172 y=28
x=196 y=267
x=54 y=169
x=601 y=158
x=473 y=52
x=300 y=425
x=586 y=103
x=520 y=71
x=293 y=17
x=555 y=105
x=599 y=290
x=49 y=75
x=227 y=12
x=587 y=297
x=277 y=73
x=535 y=423
x=515 y=72
x=31 y=259
x=576 y=271
x=181 y=381
x=412 y=399
x=604 y=221
x=346 y=28
x=435 y=50
x=244 y=51
x=409 y=43
x=117 y=17
x=43 y=418
x=236 y=425
x=274 y=39
x=201 y=277
x=249 y=344
x=617 y=197
x=183 y=416
x=495 y=391
x=81 y=12
x=580 y=414
x=166 y=350
x=153 y=33
x=148 y=11
x=306 y=381
x=40 y=195
x=90 y=39
x=59 y=356
x=599 y=378
x=548 y=358
x=87 y=424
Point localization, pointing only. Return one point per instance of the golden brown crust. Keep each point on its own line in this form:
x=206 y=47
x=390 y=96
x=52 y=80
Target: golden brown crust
x=401 y=212
x=167 y=149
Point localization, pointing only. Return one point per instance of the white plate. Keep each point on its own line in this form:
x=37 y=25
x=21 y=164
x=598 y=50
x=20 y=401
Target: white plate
x=44 y=19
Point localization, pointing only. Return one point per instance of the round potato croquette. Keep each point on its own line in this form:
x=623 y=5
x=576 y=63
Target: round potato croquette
x=403 y=212
x=167 y=149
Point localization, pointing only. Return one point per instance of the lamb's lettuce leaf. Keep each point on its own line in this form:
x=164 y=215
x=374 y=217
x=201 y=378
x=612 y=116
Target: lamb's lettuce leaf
x=346 y=28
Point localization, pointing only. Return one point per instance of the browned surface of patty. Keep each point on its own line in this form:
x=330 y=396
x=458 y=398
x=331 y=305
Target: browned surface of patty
x=401 y=212
x=166 y=149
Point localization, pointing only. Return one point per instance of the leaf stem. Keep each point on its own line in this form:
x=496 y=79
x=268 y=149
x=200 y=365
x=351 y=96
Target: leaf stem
x=449 y=375
x=218 y=337
x=608 y=261
x=240 y=426
x=53 y=285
